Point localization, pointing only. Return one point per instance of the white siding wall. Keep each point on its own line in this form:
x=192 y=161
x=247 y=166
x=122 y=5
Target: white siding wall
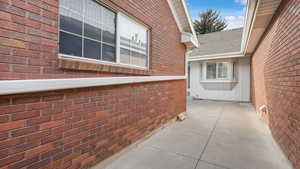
x=240 y=92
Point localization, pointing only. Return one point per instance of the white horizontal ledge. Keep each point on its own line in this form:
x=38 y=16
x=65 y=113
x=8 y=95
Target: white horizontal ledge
x=8 y=87
x=216 y=56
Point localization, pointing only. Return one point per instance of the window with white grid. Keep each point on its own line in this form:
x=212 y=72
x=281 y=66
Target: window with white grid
x=92 y=31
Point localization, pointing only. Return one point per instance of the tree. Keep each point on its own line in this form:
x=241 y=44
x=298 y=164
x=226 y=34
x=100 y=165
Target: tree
x=209 y=21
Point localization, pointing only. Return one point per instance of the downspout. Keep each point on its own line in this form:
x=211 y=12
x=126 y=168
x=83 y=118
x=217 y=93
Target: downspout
x=187 y=53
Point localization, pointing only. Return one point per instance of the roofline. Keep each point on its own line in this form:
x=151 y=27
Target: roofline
x=248 y=23
x=193 y=37
x=216 y=56
x=261 y=20
x=188 y=17
x=227 y=30
x=174 y=13
x=250 y=17
x=251 y=36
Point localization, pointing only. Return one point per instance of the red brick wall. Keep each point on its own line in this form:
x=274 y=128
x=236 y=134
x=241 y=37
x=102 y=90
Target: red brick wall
x=276 y=78
x=29 y=46
x=80 y=127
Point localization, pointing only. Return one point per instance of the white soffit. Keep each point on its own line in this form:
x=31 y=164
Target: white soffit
x=8 y=87
x=263 y=15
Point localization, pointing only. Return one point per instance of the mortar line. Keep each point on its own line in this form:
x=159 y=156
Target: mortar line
x=210 y=136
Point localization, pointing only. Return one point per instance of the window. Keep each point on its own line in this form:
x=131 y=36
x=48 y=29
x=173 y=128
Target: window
x=89 y=30
x=133 y=42
x=211 y=71
x=222 y=70
x=217 y=71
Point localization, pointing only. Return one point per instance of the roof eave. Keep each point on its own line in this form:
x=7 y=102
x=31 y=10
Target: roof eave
x=258 y=16
x=257 y=21
x=182 y=17
x=217 y=56
x=189 y=40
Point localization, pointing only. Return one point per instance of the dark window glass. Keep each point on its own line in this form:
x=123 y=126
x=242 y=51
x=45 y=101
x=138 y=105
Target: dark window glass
x=92 y=49
x=86 y=19
x=70 y=44
x=70 y=24
x=109 y=28
x=93 y=20
x=109 y=37
x=92 y=32
x=108 y=53
x=211 y=71
x=222 y=70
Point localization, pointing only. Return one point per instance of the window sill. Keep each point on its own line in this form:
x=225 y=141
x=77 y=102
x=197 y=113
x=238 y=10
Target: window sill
x=74 y=63
x=218 y=85
x=218 y=81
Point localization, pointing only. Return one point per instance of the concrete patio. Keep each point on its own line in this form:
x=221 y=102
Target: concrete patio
x=216 y=135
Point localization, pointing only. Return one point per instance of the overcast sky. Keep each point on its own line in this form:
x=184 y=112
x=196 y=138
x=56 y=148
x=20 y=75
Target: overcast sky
x=233 y=11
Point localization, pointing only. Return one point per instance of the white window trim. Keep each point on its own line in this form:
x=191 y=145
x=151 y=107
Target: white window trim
x=229 y=72
x=95 y=61
x=117 y=45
